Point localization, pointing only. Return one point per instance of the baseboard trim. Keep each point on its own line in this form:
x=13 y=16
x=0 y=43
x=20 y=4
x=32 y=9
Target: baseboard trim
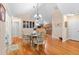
x=73 y=40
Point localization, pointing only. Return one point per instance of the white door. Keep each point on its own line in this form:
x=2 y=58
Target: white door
x=73 y=28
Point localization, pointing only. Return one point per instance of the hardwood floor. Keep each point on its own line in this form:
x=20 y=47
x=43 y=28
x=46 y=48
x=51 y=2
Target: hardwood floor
x=52 y=47
x=56 y=47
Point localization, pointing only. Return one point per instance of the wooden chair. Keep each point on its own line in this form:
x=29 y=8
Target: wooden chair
x=38 y=42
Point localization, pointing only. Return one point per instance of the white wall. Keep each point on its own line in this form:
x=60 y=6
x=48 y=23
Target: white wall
x=64 y=29
x=73 y=27
x=57 y=24
x=2 y=36
x=14 y=28
x=8 y=28
x=21 y=31
x=27 y=31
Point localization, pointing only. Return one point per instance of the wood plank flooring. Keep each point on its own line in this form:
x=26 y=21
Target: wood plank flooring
x=53 y=46
x=56 y=47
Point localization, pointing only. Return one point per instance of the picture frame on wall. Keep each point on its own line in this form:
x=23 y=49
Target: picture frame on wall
x=2 y=13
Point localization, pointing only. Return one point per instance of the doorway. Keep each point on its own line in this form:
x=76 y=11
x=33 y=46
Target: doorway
x=73 y=27
x=15 y=29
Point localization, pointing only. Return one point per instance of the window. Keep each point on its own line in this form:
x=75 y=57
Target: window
x=33 y=24
x=28 y=24
x=24 y=24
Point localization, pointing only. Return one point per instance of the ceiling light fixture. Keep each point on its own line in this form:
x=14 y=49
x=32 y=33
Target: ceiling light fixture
x=38 y=16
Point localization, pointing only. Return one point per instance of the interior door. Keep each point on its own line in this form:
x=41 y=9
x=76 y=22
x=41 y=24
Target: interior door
x=73 y=28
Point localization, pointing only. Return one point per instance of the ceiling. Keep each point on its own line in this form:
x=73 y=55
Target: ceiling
x=17 y=9
x=69 y=8
x=22 y=10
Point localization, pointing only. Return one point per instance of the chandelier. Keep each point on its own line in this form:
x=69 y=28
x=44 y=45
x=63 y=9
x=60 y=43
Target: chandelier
x=38 y=16
x=39 y=19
